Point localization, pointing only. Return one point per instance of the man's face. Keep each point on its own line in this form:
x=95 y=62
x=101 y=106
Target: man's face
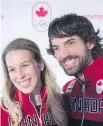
x=72 y=53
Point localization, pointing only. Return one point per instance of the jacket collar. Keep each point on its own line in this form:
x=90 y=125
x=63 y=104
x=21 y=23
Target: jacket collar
x=25 y=98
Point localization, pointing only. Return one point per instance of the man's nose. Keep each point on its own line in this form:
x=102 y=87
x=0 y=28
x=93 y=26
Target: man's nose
x=64 y=52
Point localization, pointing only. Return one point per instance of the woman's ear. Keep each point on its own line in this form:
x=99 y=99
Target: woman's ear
x=41 y=65
x=90 y=45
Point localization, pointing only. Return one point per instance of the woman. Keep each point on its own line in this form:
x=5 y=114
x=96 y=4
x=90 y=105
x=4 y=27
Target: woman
x=30 y=97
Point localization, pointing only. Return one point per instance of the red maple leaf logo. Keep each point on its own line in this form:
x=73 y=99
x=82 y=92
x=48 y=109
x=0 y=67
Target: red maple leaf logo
x=100 y=83
x=41 y=12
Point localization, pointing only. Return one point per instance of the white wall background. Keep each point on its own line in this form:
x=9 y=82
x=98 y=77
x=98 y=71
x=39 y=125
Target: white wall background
x=16 y=21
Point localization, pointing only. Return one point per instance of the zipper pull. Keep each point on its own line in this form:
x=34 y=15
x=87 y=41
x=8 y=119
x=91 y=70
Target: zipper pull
x=40 y=121
x=83 y=88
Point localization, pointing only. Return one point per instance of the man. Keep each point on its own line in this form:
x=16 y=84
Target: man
x=78 y=49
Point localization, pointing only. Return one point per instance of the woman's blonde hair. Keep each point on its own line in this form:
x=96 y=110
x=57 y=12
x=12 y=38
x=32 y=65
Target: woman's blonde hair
x=54 y=99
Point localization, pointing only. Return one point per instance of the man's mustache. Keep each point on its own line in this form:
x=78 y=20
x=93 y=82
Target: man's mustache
x=67 y=58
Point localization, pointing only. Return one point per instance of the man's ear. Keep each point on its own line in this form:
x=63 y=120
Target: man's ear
x=90 y=45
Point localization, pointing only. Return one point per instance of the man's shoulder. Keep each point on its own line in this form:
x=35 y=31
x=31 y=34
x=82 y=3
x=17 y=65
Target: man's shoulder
x=67 y=88
x=99 y=60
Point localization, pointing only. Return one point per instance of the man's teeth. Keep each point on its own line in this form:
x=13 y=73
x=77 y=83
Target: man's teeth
x=70 y=61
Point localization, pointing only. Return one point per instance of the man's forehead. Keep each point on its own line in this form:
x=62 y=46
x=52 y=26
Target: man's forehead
x=62 y=40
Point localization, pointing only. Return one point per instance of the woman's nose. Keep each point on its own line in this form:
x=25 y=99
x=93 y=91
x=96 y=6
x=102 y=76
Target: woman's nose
x=20 y=74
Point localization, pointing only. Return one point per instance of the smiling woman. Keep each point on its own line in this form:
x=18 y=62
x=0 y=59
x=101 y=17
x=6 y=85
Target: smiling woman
x=23 y=70
x=30 y=95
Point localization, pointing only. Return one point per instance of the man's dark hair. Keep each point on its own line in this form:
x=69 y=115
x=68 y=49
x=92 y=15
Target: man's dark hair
x=72 y=24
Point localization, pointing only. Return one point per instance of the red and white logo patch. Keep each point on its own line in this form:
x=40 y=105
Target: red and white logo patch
x=99 y=86
x=70 y=86
x=41 y=16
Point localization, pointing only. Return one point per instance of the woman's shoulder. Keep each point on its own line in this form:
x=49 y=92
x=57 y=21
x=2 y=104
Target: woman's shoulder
x=4 y=117
x=4 y=113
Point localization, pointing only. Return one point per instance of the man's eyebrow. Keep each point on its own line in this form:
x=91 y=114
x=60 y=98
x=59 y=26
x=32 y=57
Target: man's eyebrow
x=54 y=45
x=68 y=40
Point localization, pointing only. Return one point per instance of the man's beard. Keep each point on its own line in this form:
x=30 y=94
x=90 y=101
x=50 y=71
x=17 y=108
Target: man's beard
x=83 y=61
x=81 y=66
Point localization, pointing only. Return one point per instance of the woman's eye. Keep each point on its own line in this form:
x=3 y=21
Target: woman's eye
x=25 y=65
x=11 y=70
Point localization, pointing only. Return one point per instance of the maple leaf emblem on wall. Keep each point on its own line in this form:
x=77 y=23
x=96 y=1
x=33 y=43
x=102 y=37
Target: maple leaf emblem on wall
x=41 y=16
x=41 y=12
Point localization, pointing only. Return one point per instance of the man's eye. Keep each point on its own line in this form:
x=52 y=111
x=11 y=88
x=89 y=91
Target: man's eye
x=55 y=49
x=71 y=43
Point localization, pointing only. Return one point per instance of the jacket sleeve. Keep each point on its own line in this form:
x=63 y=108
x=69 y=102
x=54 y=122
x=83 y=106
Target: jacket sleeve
x=4 y=118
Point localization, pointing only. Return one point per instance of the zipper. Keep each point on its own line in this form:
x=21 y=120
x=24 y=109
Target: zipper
x=83 y=90
x=40 y=120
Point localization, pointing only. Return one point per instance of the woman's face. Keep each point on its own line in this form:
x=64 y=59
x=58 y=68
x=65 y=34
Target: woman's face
x=24 y=71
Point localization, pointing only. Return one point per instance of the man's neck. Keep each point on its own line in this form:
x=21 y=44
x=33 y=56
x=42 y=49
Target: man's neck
x=80 y=76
